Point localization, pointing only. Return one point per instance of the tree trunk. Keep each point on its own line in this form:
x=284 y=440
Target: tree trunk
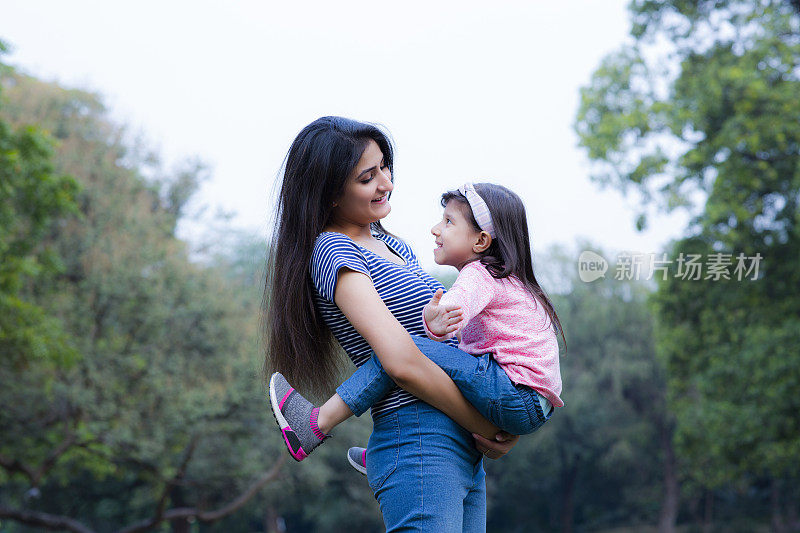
x=708 y=515
x=669 y=505
x=272 y=522
x=180 y=524
x=791 y=516
x=568 y=498
x=777 y=522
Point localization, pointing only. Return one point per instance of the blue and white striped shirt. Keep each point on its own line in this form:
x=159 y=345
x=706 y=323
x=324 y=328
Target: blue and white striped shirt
x=405 y=289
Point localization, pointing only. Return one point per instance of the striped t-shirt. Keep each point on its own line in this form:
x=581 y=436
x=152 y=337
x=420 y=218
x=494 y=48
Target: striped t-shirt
x=405 y=289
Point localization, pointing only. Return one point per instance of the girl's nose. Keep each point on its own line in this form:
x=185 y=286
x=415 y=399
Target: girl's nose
x=435 y=230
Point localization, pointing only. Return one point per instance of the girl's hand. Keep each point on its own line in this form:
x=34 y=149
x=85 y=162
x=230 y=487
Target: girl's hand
x=495 y=449
x=441 y=319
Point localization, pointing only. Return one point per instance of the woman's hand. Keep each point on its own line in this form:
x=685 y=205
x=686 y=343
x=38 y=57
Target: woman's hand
x=495 y=449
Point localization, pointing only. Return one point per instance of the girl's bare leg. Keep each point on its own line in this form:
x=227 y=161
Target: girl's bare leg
x=332 y=413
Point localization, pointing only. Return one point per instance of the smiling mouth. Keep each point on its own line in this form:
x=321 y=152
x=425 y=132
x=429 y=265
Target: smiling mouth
x=379 y=200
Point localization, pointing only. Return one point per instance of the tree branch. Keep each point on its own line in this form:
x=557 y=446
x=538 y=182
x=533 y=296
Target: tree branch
x=44 y=520
x=238 y=503
x=53 y=457
x=16 y=466
x=187 y=456
x=35 y=475
x=211 y=516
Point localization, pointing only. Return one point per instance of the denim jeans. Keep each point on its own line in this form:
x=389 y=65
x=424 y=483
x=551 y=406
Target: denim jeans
x=425 y=472
x=483 y=382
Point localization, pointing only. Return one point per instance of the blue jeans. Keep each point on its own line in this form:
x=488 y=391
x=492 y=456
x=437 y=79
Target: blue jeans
x=425 y=472
x=483 y=382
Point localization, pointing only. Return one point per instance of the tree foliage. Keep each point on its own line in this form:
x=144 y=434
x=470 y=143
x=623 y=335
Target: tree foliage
x=701 y=111
x=161 y=402
x=32 y=198
x=160 y=415
x=131 y=374
x=599 y=462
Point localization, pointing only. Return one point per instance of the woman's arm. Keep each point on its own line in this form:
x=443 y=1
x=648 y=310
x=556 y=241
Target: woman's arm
x=401 y=359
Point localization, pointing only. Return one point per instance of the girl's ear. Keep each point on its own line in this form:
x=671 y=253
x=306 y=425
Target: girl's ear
x=483 y=243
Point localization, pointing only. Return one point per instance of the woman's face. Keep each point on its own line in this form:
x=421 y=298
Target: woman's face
x=366 y=192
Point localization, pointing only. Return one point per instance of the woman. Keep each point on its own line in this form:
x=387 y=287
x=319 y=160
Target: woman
x=336 y=273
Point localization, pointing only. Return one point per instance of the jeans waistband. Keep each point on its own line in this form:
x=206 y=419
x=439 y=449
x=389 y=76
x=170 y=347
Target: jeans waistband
x=544 y=403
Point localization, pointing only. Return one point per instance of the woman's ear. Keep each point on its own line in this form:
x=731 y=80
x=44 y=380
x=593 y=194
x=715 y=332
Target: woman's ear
x=483 y=243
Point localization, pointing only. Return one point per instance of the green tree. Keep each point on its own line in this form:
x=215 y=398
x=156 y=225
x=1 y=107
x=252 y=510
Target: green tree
x=160 y=415
x=701 y=111
x=32 y=197
x=601 y=461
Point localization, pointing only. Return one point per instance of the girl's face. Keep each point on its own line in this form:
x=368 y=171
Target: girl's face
x=366 y=192
x=457 y=241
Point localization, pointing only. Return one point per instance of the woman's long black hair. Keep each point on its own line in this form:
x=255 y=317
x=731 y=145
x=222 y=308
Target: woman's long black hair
x=322 y=156
x=510 y=251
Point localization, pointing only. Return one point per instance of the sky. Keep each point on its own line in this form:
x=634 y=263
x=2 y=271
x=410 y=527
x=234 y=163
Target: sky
x=468 y=93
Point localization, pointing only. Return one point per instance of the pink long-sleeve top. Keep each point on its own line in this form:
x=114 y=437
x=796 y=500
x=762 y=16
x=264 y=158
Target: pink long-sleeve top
x=502 y=317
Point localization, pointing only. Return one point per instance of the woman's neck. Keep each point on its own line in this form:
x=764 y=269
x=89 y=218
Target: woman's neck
x=357 y=232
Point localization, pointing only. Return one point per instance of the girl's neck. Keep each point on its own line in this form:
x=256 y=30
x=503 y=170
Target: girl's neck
x=474 y=258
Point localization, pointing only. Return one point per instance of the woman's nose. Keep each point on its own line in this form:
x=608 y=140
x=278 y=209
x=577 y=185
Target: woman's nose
x=386 y=179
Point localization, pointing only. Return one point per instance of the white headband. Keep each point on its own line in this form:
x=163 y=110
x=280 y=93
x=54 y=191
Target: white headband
x=479 y=208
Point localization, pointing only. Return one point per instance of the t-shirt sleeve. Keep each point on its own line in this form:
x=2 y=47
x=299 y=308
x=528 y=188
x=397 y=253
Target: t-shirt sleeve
x=332 y=252
x=472 y=291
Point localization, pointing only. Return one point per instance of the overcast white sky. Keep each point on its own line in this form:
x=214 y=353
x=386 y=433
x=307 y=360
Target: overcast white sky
x=470 y=91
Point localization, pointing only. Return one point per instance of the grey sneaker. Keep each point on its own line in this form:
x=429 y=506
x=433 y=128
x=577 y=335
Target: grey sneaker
x=296 y=416
x=357 y=457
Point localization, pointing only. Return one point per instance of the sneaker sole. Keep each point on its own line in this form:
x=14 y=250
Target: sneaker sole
x=276 y=413
x=356 y=465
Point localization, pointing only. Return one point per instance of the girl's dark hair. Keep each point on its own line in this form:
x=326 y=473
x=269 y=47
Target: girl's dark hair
x=322 y=156
x=510 y=251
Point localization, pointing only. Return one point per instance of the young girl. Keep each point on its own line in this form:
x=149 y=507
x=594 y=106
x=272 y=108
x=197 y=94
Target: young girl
x=497 y=308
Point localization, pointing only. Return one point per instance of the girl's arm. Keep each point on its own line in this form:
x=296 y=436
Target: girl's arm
x=472 y=291
x=401 y=359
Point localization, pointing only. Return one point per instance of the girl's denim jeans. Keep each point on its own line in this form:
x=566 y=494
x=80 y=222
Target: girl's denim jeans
x=483 y=382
